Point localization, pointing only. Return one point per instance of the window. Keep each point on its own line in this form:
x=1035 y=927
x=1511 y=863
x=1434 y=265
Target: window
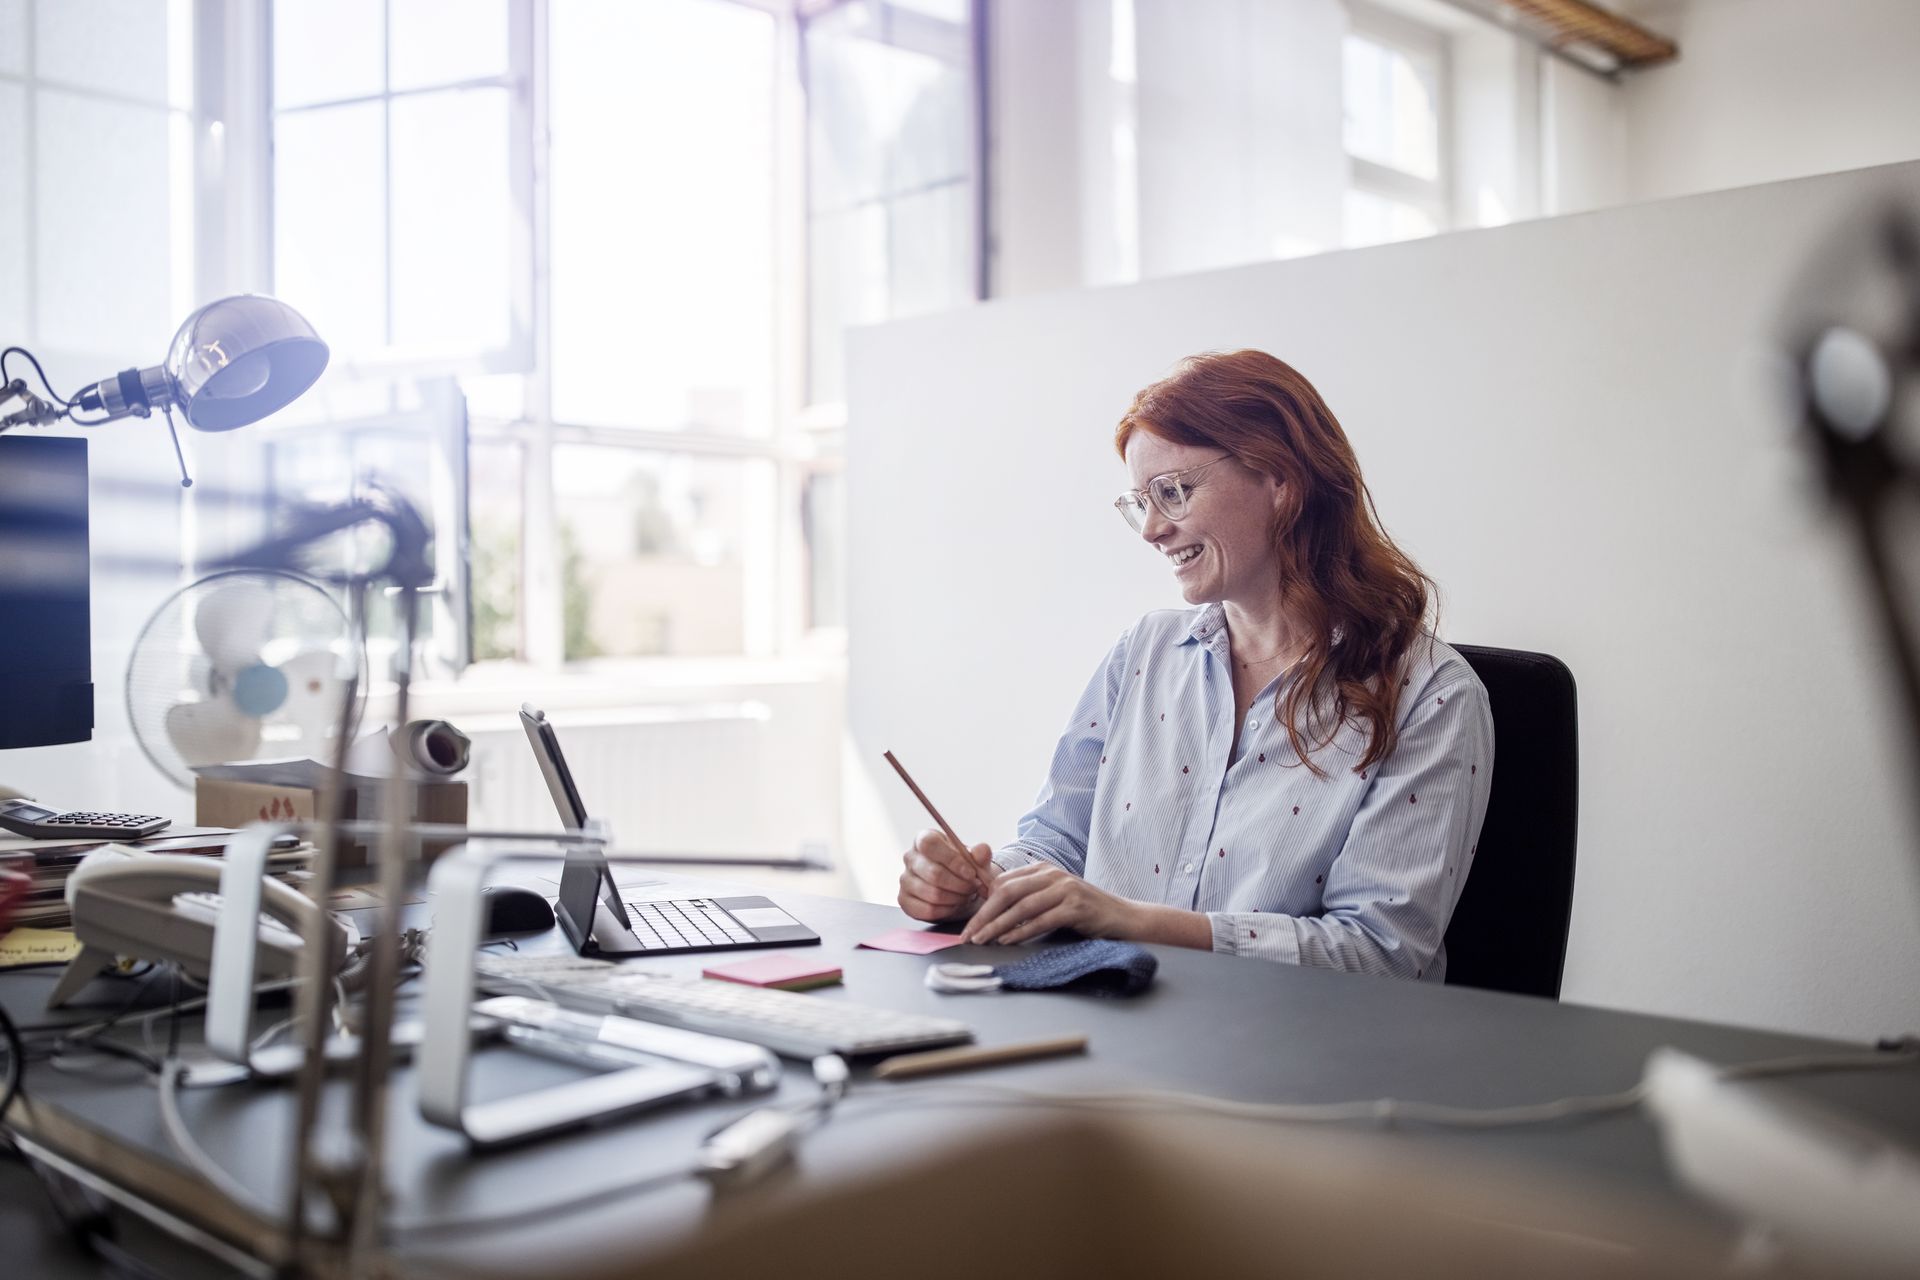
x=399 y=141
x=95 y=100
x=1393 y=87
x=891 y=221
x=705 y=193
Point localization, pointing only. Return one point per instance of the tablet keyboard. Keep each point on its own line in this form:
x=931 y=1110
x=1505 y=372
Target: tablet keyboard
x=798 y=1026
x=686 y=924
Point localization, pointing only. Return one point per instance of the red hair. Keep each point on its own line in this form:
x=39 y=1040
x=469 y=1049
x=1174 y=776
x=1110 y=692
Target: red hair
x=1338 y=568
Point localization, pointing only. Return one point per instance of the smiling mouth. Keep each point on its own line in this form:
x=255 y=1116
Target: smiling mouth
x=1183 y=557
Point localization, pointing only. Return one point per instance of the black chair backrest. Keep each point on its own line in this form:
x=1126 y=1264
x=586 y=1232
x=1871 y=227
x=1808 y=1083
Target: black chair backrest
x=1509 y=930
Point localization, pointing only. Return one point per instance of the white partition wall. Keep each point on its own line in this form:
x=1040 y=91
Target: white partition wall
x=1564 y=422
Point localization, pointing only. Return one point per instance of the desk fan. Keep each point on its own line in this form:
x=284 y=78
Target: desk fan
x=243 y=665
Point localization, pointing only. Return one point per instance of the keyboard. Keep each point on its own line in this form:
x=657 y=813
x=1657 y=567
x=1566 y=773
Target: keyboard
x=686 y=924
x=796 y=1026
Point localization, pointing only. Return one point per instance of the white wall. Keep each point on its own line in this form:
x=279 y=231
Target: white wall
x=1772 y=89
x=1554 y=423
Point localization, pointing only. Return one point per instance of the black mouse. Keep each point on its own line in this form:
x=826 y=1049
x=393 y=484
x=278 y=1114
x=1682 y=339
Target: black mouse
x=512 y=909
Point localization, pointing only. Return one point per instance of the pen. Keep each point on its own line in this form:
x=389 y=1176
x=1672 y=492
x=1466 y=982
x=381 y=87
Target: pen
x=907 y=1065
x=979 y=873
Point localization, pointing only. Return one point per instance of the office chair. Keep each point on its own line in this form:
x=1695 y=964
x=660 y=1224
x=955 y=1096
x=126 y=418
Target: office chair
x=1509 y=929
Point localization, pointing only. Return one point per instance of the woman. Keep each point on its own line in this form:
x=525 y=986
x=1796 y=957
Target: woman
x=1293 y=768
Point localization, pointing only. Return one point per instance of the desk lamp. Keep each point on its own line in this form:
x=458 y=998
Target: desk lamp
x=233 y=362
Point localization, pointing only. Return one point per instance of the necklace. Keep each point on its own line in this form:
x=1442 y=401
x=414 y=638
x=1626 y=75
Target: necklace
x=1259 y=662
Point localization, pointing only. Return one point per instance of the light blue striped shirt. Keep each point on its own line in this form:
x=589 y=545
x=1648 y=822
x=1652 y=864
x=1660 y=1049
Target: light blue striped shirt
x=1351 y=870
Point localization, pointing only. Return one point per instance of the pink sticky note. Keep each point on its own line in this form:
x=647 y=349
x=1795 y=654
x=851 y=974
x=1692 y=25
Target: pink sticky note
x=918 y=942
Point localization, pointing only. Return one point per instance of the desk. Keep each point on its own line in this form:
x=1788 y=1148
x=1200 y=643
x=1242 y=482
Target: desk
x=1212 y=1024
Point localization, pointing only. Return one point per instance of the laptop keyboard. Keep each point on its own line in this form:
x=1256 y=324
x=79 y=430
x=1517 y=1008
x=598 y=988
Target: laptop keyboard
x=684 y=923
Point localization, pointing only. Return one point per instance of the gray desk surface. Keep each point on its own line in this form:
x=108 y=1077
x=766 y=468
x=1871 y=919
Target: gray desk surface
x=1235 y=1028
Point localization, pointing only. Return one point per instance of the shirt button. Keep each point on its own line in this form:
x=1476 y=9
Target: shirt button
x=1188 y=869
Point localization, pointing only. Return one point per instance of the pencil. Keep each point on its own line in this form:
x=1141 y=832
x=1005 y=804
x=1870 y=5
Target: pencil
x=979 y=874
x=907 y=1065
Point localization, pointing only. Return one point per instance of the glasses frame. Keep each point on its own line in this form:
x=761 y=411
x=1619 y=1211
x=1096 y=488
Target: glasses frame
x=1130 y=501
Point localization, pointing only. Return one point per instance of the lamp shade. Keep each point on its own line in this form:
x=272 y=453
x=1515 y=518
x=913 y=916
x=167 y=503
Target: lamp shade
x=239 y=359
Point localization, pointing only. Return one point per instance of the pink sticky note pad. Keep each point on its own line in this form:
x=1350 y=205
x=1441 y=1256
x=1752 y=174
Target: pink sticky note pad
x=918 y=942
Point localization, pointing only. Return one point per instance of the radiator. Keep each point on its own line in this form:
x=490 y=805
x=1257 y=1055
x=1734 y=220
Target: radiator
x=681 y=778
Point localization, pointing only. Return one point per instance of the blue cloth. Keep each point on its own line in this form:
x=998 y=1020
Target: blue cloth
x=1149 y=798
x=1096 y=964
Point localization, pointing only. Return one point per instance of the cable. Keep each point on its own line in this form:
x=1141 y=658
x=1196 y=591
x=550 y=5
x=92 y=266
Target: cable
x=53 y=395
x=16 y=1063
x=552 y=1208
x=183 y=1141
x=1381 y=1110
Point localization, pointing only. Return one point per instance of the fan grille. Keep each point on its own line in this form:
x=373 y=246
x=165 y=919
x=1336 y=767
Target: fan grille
x=240 y=632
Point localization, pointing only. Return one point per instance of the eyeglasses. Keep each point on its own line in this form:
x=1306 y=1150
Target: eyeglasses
x=1171 y=493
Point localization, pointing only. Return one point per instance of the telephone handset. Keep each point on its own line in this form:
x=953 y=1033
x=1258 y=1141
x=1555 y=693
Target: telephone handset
x=157 y=906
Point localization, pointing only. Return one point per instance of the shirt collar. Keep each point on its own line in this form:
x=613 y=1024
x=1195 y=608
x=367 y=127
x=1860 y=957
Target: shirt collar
x=1207 y=621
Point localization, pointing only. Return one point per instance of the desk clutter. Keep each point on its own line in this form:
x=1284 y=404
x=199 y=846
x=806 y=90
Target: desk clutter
x=47 y=865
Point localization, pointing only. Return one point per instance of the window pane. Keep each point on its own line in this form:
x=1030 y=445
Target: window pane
x=499 y=397
x=662 y=196
x=496 y=514
x=652 y=550
x=13 y=218
x=329 y=223
x=823 y=518
x=1392 y=107
x=847 y=118
x=1372 y=219
x=946 y=10
x=105 y=263
x=930 y=238
x=13 y=37
x=881 y=120
x=444 y=41
x=847 y=285
x=326 y=49
x=121 y=46
x=451 y=207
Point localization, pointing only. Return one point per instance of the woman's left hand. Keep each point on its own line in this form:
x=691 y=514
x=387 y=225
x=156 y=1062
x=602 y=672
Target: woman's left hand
x=1040 y=897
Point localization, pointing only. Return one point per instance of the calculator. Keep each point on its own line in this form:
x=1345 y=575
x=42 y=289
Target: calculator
x=37 y=822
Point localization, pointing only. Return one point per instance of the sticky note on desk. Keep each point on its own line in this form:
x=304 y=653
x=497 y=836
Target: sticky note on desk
x=916 y=942
x=24 y=946
x=789 y=973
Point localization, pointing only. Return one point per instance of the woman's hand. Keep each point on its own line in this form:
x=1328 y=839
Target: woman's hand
x=1040 y=897
x=941 y=879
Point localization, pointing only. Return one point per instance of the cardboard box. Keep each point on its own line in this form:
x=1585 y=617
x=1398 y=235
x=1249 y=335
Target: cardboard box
x=231 y=802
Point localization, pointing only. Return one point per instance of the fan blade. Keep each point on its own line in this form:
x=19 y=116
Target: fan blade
x=211 y=732
x=233 y=622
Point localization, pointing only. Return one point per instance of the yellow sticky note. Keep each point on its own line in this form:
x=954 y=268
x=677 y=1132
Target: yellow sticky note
x=37 y=946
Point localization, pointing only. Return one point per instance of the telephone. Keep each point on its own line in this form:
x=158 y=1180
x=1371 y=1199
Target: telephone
x=163 y=907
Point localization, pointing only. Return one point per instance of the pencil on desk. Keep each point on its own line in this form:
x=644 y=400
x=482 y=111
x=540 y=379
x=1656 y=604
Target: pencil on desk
x=907 y=1065
x=979 y=873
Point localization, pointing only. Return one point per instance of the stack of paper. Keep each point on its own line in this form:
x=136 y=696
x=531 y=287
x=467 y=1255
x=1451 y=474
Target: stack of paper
x=48 y=863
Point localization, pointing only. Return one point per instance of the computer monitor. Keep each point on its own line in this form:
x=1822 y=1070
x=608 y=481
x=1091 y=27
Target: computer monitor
x=46 y=656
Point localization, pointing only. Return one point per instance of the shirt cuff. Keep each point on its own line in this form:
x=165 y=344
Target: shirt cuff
x=1259 y=934
x=1013 y=856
